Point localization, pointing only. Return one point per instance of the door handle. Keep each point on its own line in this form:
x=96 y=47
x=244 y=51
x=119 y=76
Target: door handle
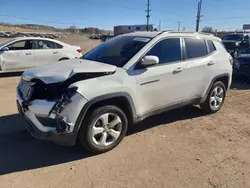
x=28 y=53
x=55 y=52
x=210 y=63
x=179 y=69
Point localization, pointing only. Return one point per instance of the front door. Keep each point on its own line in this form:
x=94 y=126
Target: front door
x=19 y=56
x=161 y=85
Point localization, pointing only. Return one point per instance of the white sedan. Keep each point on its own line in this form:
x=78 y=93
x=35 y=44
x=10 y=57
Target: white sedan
x=22 y=53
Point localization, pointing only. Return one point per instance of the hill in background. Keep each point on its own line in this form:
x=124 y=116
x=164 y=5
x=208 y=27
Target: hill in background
x=46 y=28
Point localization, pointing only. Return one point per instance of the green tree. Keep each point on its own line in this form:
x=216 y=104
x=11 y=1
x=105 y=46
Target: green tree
x=208 y=29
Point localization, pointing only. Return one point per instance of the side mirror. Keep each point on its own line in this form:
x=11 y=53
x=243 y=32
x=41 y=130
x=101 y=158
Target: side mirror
x=5 y=49
x=149 y=60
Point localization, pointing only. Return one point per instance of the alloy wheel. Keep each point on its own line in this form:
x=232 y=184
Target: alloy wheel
x=216 y=98
x=106 y=129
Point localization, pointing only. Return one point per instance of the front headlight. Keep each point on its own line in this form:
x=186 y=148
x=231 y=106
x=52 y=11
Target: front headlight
x=237 y=44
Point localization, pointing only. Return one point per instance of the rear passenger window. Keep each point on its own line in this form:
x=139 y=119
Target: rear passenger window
x=45 y=44
x=211 y=46
x=167 y=50
x=195 y=48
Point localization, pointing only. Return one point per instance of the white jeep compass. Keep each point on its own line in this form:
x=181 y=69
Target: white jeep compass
x=121 y=82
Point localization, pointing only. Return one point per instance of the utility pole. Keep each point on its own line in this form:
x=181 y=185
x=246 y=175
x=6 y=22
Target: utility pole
x=159 y=25
x=179 y=25
x=148 y=16
x=198 y=15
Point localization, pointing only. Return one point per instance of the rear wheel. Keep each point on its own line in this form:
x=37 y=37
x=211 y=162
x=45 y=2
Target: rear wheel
x=215 y=98
x=104 y=129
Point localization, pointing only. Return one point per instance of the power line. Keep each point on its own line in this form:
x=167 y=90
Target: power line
x=148 y=16
x=225 y=18
x=53 y=22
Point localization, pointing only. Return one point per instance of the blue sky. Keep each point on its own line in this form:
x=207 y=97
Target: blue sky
x=219 y=14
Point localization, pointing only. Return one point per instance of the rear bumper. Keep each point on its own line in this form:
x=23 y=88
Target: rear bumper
x=39 y=130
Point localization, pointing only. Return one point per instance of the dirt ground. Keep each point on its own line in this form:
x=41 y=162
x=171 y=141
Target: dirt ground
x=182 y=148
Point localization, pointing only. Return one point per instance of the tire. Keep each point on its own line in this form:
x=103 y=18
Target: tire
x=64 y=58
x=106 y=136
x=214 y=102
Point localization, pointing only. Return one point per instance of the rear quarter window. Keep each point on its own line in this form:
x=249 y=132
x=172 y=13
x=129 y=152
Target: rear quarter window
x=211 y=46
x=58 y=45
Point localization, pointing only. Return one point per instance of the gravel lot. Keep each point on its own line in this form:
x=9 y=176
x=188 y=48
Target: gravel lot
x=181 y=148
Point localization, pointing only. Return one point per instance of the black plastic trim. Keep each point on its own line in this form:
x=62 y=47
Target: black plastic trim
x=168 y=108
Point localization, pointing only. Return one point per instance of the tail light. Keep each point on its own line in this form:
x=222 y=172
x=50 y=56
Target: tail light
x=231 y=60
x=79 y=51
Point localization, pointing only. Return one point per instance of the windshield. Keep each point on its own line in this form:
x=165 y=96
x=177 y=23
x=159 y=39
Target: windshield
x=3 y=43
x=117 y=51
x=233 y=37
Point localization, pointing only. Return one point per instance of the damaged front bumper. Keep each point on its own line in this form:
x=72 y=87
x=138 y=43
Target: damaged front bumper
x=52 y=120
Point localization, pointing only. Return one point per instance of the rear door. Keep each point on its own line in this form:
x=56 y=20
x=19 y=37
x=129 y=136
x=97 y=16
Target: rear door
x=198 y=63
x=19 y=56
x=46 y=52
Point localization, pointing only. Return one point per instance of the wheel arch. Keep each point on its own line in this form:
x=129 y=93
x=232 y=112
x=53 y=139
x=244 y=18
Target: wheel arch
x=122 y=100
x=224 y=78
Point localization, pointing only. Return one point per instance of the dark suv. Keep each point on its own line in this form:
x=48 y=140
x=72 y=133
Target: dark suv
x=236 y=43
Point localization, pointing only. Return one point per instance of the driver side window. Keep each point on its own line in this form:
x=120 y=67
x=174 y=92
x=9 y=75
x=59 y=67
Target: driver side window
x=21 y=45
x=167 y=50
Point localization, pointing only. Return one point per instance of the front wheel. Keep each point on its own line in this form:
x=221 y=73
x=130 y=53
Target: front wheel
x=104 y=129
x=215 y=98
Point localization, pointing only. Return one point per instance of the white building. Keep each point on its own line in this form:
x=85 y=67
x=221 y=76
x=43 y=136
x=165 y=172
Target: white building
x=122 y=29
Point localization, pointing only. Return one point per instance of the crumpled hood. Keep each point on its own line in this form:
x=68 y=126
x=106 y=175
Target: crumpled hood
x=62 y=70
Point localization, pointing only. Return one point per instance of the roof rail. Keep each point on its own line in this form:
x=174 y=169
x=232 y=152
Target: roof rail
x=202 y=33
